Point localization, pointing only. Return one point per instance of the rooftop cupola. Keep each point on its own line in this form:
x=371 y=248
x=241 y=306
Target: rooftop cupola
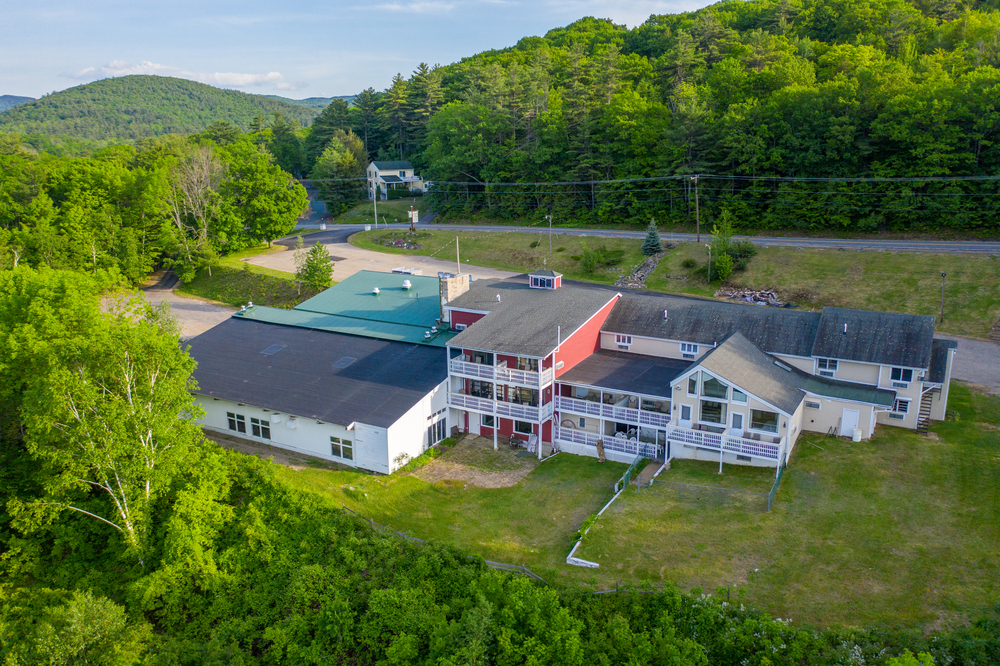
x=545 y=280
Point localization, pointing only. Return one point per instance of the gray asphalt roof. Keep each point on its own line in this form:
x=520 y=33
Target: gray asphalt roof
x=889 y=338
x=392 y=164
x=627 y=372
x=776 y=330
x=524 y=321
x=391 y=179
x=384 y=381
x=939 y=359
x=740 y=362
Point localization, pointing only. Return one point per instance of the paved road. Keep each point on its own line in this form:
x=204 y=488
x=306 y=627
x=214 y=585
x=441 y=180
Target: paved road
x=976 y=362
x=195 y=316
x=866 y=245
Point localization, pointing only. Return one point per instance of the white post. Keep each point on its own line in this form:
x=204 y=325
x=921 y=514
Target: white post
x=458 y=262
x=720 y=459
x=495 y=428
x=496 y=417
x=375 y=201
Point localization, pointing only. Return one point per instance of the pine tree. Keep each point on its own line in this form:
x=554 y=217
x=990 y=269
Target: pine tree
x=652 y=244
x=317 y=270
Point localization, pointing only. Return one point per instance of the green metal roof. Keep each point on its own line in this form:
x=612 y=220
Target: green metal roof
x=351 y=307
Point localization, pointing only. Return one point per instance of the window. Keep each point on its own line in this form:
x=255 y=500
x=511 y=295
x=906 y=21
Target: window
x=481 y=389
x=692 y=386
x=488 y=421
x=527 y=364
x=737 y=421
x=261 y=428
x=812 y=405
x=436 y=432
x=402 y=174
x=237 y=422
x=713 y=412
x=624 y=341
x=583 y=422
x=901 y=377
x=341 y=448
x=827 y=367
x=713 y=388
x=461 y=327
x=688 y=350
x=901 y=406
x=743 y=458
x=766 y=421
x=522 y=427
x=739 y=396
x=685 y=412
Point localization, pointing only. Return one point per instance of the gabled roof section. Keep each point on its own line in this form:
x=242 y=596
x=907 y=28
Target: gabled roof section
x=327 y=376
x=351 y=307
x=738 y=361
x=392 y=165
x=622 y=371
x=523 y=322
x=939 y=360
x=546 y=273
x=706 y=322
x=886 y=338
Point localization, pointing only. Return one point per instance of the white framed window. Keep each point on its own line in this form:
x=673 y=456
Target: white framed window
x=827 y=366
x=763 y=420
x=436 y=432
x=341 y=448
x=692 y=385
x=812 y=404
x=583 y=422
x=624 y=341
x=689 y=350
x=901 y=406
x=261 y=428
x=901 y=377
x=237 y=422
x=488 y=420
x=739 y=396
x=522 y=427
x=462 y=327
x=737 y=421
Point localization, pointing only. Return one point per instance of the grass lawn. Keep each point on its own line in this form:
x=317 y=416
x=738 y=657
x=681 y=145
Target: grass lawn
x=887 y=281
x=236 y=282
x=513 y=251
x=901 y=529
x=531 y=523
x=388 y=211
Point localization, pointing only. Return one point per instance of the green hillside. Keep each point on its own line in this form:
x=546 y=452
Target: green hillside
x=10 y=101
x=317 y=103
x=133 y=107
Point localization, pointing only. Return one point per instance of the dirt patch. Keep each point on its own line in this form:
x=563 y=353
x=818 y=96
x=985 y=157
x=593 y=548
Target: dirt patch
x=987 y=426
x=473 y=460
x=291 y=459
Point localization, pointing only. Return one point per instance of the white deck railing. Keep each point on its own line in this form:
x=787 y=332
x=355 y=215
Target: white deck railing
x=509 y=409
x=620 y=414
x=500 y=374
x=620 y=444
x=727 y=443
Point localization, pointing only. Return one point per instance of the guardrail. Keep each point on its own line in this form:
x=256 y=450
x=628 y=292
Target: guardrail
x=500 y=373
x=502 y=566
x=620 y=414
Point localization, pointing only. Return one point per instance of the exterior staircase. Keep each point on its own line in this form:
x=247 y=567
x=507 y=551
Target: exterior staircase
x=924 y=417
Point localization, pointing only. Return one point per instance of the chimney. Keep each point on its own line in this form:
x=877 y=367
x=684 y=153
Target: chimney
x=452 y=285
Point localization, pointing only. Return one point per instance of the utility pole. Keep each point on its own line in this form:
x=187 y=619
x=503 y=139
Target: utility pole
x=697 y=212
x=710 y=284
x=942 y=296
x=549 y=218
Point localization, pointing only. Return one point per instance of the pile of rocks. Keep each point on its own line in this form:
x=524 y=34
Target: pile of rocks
x=755 y=296
x=637 y=280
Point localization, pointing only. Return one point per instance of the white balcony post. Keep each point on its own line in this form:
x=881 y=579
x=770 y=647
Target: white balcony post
x=494 y=430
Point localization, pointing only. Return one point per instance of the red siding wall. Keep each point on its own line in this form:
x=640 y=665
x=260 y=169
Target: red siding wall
x=507 y=429
x=467 y=318
x=584 y=341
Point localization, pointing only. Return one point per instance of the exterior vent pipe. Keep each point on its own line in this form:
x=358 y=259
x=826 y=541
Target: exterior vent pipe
x=406 y=284
x=375 y=291
x=845 y=329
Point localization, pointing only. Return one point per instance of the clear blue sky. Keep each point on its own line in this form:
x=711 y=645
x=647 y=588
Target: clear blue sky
x=302 y=49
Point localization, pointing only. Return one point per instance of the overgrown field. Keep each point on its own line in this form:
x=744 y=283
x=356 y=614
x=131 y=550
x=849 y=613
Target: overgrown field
x=235 y=282
x=809 y=278
x=898 y=529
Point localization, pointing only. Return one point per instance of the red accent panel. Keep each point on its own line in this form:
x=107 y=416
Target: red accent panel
x=547 y=431
x=467 y=318
x=583 y=342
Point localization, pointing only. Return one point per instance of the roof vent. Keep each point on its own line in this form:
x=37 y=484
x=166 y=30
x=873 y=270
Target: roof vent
x=845 y=329
x=375 y=291
x=498 y=298
x=434 y=329
x=250 y=304
x=344 y=362
x=664 y=315
x=243 y=308
x=406 y=284
x=782 y=366
x=427 y=335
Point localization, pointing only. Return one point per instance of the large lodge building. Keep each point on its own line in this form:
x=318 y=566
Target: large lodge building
x=565 y=366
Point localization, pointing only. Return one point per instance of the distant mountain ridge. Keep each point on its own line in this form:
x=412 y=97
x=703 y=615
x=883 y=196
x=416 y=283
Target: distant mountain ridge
x=134 y=107
x=10 y=101
x=314 y=102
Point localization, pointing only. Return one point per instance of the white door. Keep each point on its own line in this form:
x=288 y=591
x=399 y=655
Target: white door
x=685 y=420
x=848 y=422
x=737 y=424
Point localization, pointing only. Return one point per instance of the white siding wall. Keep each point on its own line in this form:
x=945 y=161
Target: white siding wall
x=408 y=435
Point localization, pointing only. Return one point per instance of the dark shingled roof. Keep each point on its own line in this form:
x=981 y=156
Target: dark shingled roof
x=391 y=179
x=740 y=362
x=397 y=165
x=544 y=273
x=939 y=359
x=779 y=331
x=627 y=372
x=383 y=383
x=888 y=338
x=524 y=322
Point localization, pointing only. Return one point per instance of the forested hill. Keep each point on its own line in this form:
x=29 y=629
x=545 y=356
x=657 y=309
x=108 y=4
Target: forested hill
x=749 y=91
x=10 y=101
x=317 y=103
x=133 y=107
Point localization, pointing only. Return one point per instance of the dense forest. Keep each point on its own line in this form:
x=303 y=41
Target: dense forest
x=127 y=538
x=135 y=107
x=873 y=97
x=10 y=101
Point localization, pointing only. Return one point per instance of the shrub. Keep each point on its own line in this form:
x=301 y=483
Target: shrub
x=535 y=244
x=560 y=249
x=722 y=268
x=652 y=244
x=689 y=263
x=600 y=257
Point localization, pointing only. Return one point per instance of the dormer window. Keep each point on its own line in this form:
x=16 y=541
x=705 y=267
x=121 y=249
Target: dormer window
x=545 y=280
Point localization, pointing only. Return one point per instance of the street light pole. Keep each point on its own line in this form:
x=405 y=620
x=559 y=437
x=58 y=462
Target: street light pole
x=549 y=218
x=942 y=296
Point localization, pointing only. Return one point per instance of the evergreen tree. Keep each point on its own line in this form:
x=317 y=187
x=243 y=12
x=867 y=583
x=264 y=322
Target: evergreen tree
x=652 y=244
x=316 y=270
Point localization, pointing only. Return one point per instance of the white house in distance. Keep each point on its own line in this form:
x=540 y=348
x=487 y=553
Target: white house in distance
x=383 y=175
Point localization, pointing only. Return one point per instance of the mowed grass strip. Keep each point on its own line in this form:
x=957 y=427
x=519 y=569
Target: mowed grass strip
x=531 y=523
x=885 y=281
x=902 y=529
